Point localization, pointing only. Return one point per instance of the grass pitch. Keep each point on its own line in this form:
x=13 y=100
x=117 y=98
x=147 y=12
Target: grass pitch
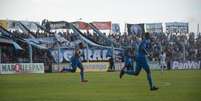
x=184 y=85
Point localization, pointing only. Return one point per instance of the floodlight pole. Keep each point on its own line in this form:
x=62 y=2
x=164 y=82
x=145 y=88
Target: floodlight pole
x=30 y=54
x=59 y=50
x=113 y=56
x=185 y=42
x=87 y=53
x=198 y=29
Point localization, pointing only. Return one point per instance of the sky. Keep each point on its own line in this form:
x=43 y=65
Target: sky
x=117 y=11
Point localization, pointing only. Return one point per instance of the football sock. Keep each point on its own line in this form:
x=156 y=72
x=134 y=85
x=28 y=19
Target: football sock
x=149 y=78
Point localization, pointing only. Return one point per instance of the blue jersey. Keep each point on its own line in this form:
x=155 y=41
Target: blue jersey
x=142 y=50
x=76 y=56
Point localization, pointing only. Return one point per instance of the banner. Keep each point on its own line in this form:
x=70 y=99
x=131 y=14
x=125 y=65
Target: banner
x=57 y=25
x=92 y=66
x=99 y=25
x=135 y=28
x=154 y=27
x=58 y=55
x=99 y=66
x=81 y=25
x=17 y=68
x=12 y=24
x=115 y=28
x=152 y=65
x=93 y=54
x=186 y=64
x=103 y=25
x=4 y=24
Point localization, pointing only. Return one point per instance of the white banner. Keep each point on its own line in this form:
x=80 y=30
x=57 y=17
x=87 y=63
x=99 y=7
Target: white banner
x=17 y=68
x=92 y=66
x=99 y=66
x=186 y=65
x=152 y=65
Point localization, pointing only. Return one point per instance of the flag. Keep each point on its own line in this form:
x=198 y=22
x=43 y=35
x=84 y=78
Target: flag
x=81 y=25
x=115 y=28
x=135 y=28
x=103 y=25
x=58 y=25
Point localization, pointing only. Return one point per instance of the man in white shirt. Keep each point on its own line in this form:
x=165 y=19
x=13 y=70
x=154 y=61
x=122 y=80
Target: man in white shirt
x=163 y=61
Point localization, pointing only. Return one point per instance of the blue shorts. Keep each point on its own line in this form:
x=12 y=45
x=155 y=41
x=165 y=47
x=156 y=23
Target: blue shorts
x=142 y=63
x=75 y=62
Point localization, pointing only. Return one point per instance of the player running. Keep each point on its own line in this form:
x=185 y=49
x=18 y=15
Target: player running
x=128 y=60
x=76 y=62
x=141 y=62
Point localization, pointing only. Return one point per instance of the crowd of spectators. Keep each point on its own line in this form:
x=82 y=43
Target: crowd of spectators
x=176 y=46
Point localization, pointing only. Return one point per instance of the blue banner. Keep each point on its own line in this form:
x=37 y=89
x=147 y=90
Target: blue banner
x=115 y=28
x=92 y=55
x=135 y=28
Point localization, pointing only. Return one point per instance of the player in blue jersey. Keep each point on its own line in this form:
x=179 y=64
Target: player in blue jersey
x=76 y=62
x=141 y=61
x=128 y=59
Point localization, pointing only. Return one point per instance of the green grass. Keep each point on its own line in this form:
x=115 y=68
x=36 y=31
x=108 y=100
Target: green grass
x=182 y=85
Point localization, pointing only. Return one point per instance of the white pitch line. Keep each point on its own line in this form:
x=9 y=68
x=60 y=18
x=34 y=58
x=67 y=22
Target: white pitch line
x=164 y=84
